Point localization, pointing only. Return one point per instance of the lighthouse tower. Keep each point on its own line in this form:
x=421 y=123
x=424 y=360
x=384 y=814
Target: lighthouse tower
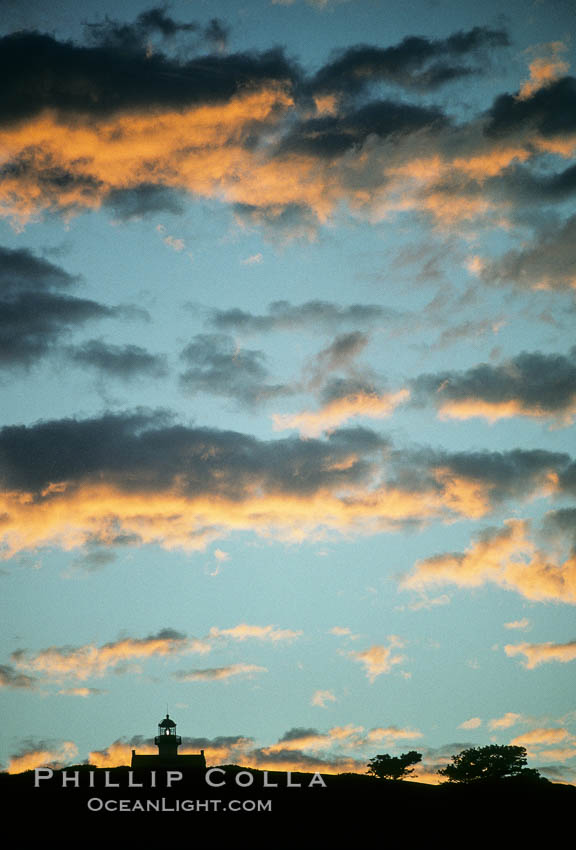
x=167 y=740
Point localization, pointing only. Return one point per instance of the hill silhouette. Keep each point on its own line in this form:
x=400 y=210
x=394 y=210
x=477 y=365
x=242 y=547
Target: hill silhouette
x=334 y=814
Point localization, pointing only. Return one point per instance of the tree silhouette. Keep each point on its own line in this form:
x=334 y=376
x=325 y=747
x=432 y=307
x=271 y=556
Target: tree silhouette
x=385 y=766
x=491 y=762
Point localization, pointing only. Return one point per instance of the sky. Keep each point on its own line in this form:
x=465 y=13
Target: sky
x=288 y=380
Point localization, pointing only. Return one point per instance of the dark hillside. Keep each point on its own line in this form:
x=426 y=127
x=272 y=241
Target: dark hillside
x=303 y=815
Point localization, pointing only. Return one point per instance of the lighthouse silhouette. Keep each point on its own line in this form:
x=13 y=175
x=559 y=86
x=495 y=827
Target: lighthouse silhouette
x=168 y=742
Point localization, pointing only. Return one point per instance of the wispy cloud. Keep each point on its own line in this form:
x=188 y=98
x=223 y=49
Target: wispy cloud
x=243 y=632
x=536 y=654
x=216 y=674
x=89 y=660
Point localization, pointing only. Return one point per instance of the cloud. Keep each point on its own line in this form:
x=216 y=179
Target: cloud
x=235 y=750
x=339 y=355
x=83 y=662
x=119 y=79
x=545 y=69
x=311 y=315
x=253 y=260
x=216 y=674
x=506 y=557
x=341 y=631
x=542 y=653
x=549 y=110
x=140 y=477
x=391 y=734
x=416 y=63
x=532 y=384
x=219 y=750
x=33 y=316
x=506 y=721
x=143 y=200
x=472 y=723
x=379 y=659
x=521 y=625
x=547 y=263
x=42 y=754
x=330 y=137
x=264 y=633
x=217 y=365
x=119 y=361
x=311 y=739
x=81 y=692
x=538 y=737
x=11 y=678
x=370 y=405
x=120 y=120
x=321 y=698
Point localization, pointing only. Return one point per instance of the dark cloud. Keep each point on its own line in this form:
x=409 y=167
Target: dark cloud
x=95 y=560
x=339 y=355
x=338 y=388
x=10 y=678
x=550 y=110
x=312 y=315
x=143 y=200
x=22 y=271
x=216 y=365
x=155 y=21
x=144 y=451
x=500 y=475
x=522 y=186
x=107 y=78
x=561 y=523
x=119 y=361
x=217 y=33
x=279 y=222
x=34 y=318
x=568 y=479
x=416 y=62
x=298 y=732
x=332 y=136
x=541 y=384
x=548 y=263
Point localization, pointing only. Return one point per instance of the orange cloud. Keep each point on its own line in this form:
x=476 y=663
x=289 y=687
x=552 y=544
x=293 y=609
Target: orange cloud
x=505 y=557
x=538 y=737
x=379 y=659
x=320 y=698
x=542 y=653
x=545 y=69
x=521 y=625
x=504 y=722
x=76 y=514
x=334 y=413
x=266 y=633
x=89 y=660
x=392 y=733
x=202 y=149
x=43 y=757
x=494 y=410
x=473 y=723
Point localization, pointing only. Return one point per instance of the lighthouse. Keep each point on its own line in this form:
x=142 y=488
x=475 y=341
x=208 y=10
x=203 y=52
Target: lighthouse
x=168 y=741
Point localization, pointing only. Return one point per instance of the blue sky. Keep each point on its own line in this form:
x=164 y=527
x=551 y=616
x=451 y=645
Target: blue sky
x=289 y=380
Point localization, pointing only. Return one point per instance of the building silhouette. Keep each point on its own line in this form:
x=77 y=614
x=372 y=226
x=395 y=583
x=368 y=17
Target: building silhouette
x=168 y=742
